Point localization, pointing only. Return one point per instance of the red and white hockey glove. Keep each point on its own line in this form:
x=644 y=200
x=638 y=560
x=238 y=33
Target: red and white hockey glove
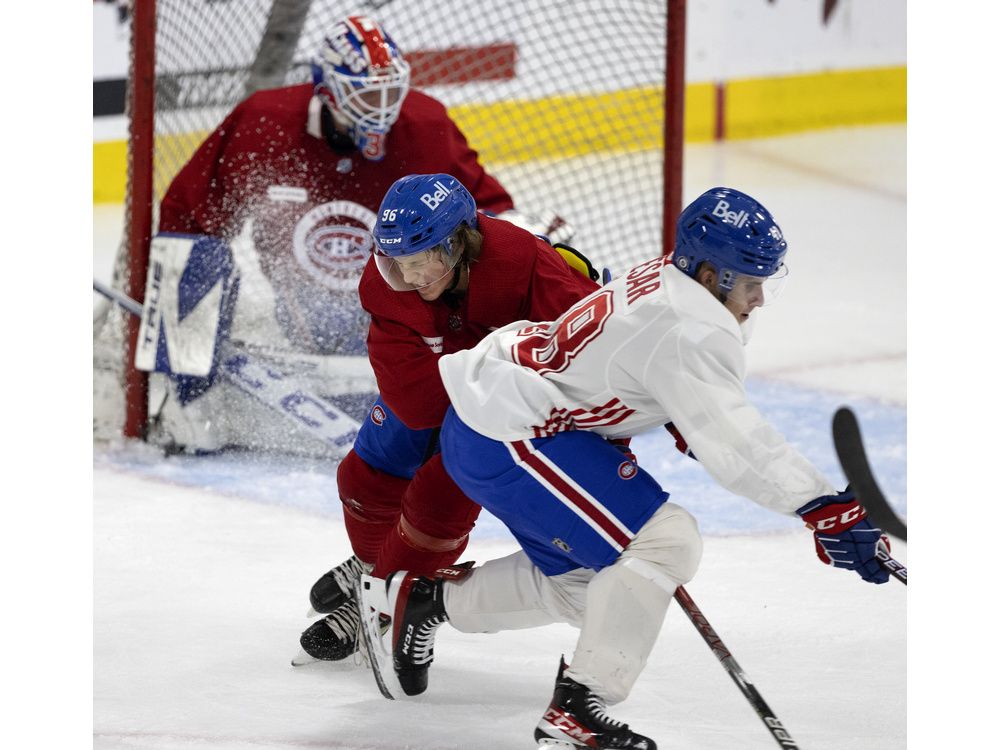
x=844 y=537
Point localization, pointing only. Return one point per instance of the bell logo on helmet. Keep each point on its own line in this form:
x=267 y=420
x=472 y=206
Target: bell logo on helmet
x=737 y=219
x=433 y=200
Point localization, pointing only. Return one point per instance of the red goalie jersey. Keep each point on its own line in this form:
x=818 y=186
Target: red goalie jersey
x=278 y=160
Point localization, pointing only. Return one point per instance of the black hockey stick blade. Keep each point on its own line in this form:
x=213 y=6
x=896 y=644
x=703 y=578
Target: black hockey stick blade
x=854 y=461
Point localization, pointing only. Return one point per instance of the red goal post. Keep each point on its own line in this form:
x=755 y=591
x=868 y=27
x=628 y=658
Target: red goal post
x=577 y=107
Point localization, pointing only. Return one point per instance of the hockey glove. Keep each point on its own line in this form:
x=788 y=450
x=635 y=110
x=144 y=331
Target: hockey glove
x=844 y=537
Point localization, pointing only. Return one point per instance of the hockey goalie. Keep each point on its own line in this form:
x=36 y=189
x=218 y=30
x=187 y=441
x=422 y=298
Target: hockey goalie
x=291 y=181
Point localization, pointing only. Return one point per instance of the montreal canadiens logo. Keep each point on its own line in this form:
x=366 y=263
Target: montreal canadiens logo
x=627 y=470
x=332 y=243
x=378 y=415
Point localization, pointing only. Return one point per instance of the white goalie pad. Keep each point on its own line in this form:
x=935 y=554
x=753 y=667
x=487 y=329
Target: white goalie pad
x=376 y=634
x=276 y=402
x=262 y=393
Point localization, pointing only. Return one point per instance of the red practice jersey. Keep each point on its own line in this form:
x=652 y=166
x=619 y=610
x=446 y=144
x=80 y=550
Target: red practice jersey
x=312 y=197
x=517 y=277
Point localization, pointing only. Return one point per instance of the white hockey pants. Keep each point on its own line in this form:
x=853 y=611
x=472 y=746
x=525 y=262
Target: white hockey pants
x=619 y=609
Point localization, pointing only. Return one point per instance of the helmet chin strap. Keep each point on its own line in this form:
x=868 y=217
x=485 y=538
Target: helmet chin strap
x=462 y=265
x=449 y=296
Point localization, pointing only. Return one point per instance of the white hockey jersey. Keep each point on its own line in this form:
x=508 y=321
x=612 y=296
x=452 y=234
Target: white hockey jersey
x=651 y=347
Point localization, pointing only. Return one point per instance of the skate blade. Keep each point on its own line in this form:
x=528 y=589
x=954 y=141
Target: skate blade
x=302 y=658
x=554 y=744
x=376 y=644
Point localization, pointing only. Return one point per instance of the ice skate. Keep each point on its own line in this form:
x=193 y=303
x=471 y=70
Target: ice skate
x=333 y=638
x=401 y=655
x=336 y=586
x=577 y=717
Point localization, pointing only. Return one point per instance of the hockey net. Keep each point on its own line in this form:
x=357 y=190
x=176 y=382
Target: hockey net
x=569 y=104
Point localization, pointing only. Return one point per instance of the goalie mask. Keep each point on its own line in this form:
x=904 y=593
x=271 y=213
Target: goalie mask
x=414 y=232
x=361 y=75
x=739 y=237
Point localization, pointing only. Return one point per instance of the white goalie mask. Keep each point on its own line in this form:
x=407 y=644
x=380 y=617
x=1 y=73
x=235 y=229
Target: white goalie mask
x=365 y=80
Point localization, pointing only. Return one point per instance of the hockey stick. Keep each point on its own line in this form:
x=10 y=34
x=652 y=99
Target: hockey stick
x=854 y=461
x=894 y=566
x=774 y=726
x=284 y=395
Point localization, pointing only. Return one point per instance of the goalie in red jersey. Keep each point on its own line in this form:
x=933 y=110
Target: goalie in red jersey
x=442 y=277
x=301 y=170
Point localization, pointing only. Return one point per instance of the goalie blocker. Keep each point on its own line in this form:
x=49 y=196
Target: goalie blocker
x=191 y=295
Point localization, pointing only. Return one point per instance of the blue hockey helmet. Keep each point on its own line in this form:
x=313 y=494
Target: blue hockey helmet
x=364 y=78
x=417 y=221
x=734 y=233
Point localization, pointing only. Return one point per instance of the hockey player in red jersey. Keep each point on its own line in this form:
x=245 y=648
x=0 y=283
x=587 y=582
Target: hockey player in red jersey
x=533 y=407
x=443 y=276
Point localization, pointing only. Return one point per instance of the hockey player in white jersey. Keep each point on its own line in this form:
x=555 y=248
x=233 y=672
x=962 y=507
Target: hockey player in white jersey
x=534 y=407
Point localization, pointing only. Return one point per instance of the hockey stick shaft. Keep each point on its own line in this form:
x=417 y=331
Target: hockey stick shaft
x=285 y=396
x=896 y=569
x=707 y=632
x=119 y=298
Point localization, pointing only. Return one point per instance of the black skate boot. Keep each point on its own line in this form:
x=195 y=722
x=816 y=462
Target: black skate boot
x=335 y=637
x=421 y=601
x=576 y=717
x=335 y=587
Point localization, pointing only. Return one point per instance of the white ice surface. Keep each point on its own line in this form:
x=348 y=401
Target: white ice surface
x=202 y=566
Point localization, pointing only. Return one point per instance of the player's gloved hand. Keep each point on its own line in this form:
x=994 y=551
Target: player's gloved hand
x=844 y=537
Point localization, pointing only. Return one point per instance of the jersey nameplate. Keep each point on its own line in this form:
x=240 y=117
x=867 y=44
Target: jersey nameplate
x=287 y=194
x=642 y=280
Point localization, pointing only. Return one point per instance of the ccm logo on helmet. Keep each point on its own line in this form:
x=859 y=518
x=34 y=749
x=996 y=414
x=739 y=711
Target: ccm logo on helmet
x=433 y=200
x=738 y=219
